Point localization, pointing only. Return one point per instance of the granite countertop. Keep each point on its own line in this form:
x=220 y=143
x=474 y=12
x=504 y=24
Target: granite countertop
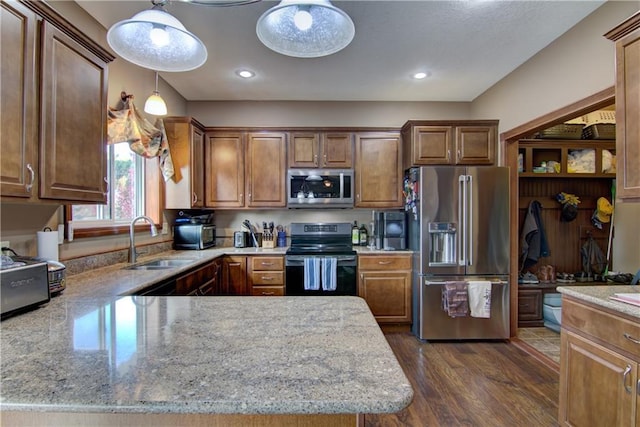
x=599 y=295
x=95 y=349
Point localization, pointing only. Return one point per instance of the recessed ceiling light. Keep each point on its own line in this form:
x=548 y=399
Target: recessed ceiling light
x=420 y=76
x=246 y=74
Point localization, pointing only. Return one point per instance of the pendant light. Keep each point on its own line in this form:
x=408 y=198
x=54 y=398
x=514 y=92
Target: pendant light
x=305 y=28
x=155 y=104
x=156 y=40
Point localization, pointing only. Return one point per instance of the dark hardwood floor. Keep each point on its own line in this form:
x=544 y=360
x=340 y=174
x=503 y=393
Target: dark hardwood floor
x=472 y=384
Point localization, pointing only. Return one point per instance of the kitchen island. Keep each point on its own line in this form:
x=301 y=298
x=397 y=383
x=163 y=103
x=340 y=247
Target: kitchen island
x=103 y=359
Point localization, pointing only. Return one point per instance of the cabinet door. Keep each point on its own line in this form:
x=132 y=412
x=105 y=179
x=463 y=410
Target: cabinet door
x=475 y=145
x=388 y=295
x=304 y=150
x=378 y=170
x=337 y=150
x=186 y=141
x=266 y=169
x=529 y=305
x=73 y=155
x=627 y=113
x=197 y=167
x=18 y=107
x=234 y=275
x=432 y=145
x=597 y=385
x=224 y=170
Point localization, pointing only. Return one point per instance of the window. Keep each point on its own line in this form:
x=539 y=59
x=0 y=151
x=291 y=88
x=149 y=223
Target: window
x=126 y=191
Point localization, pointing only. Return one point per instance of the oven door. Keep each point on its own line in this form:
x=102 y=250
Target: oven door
x=346 y=272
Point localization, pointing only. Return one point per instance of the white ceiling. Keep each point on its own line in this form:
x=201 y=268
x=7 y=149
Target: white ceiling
x=466 y=46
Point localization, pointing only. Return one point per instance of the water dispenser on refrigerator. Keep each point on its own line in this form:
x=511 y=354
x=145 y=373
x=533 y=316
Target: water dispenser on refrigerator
x=443 y=243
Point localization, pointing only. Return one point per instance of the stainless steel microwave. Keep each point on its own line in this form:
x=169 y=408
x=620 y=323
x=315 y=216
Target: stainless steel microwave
x=194 y=236
x=316 y=188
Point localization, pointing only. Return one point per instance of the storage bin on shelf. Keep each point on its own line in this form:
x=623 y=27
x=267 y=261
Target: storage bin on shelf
x=552 y=311
x=562 y=131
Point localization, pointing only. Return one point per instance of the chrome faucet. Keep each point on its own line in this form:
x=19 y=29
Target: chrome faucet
x=132 y=245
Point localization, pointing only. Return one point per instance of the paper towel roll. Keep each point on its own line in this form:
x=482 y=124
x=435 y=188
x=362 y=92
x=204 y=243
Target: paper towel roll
x=48 y=245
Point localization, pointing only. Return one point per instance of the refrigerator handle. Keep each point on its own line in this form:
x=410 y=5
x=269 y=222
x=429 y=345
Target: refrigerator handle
x=462 y=219
x=470 y=217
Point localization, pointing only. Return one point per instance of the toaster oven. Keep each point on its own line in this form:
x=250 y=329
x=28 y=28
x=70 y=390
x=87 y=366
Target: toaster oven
x=24 y=285
x=194 y=236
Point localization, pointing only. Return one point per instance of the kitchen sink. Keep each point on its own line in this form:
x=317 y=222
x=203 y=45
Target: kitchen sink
x=161 y=264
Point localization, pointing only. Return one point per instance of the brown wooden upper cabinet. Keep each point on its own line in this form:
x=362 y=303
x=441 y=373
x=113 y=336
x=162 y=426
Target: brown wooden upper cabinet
x=321 y=150
x=245 y=169
x=378 y=170
x=428 y=142
x=54 y=149
x=627 y=38
x=186 y=142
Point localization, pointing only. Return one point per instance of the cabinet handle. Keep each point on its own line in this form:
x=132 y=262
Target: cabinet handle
x=32 y=174
x=625 y=375
x=194 y=199
x=324 y=160
x=384 y=262
x=630 y=338
x=459 y=155
x=266 y=278
x=241 y=198
x=268 y=293
x=267 y=263
x=448 y=155
x=106 y=181
x=315 y=159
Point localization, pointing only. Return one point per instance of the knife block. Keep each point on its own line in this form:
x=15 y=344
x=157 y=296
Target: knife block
x=268 y=240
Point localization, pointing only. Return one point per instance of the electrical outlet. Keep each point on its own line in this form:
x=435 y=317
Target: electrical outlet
x=165 y=228
x=5 y=244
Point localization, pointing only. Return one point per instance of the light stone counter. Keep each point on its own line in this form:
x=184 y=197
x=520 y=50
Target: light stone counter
x=599 y=295
x=92 y=350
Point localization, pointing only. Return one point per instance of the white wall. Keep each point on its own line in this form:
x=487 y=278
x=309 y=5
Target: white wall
x=573 y=67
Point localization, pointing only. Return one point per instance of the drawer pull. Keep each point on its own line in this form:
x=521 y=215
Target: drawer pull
x=630 y=338
x=625 y=375
x=384 y=262
x=266 y=278
x=267 y=263
x=268 y=293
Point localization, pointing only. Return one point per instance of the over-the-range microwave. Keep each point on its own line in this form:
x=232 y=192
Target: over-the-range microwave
x=316 y=188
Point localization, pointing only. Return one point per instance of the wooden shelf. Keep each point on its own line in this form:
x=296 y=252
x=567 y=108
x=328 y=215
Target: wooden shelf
x=535 y=151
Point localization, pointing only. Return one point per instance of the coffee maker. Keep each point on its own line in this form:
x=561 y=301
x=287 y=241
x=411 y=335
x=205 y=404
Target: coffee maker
x=390 y=230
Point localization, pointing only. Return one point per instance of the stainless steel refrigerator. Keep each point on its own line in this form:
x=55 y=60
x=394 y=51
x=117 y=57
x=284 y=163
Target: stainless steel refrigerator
x=458 y=228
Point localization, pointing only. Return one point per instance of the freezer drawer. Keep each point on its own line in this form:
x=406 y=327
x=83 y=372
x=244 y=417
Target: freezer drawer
x=433 y=323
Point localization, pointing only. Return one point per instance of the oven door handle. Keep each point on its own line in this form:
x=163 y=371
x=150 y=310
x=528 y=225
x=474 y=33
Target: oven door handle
x=292 y=260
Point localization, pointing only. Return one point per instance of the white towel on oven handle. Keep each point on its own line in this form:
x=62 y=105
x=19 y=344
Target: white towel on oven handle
x=479 y=293
x=311 y=273
x=329 y=273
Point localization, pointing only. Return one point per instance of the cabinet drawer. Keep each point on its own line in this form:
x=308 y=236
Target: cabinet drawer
x=529 y=304
x=276 y=291
x=267 y=278
x=384 y=262
x=187 y=283
x=602 y=326
x=266 y=263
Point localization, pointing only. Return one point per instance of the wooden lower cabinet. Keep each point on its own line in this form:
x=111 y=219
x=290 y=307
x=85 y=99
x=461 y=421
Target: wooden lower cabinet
x=234 y=275
x=530 y=301
x=253 y=275
x=599 y=368
x=203 y=281
x=266 y=275
x=385 y=284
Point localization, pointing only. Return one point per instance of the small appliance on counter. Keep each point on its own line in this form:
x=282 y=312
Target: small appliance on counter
x=24 y=285
x=390 y=230
x=188 y=236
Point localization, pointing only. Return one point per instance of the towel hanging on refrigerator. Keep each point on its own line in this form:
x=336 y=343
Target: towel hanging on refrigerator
x=312 y=274
x=454 y=299
x=479 y=298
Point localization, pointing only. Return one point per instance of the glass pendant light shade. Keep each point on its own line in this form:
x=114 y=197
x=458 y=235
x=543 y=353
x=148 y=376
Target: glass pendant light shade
x=155 y=104
x=156 y=40
x=305 y=28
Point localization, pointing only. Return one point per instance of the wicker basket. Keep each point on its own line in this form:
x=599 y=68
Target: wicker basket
x=562 y=131
x=599 y=131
